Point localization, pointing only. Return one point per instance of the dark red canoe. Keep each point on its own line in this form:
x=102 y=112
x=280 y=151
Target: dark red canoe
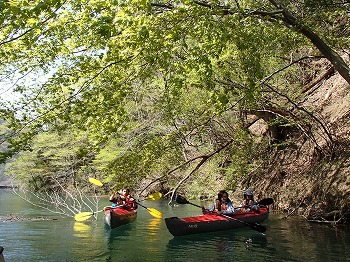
x=115 y=217
x=212 y=222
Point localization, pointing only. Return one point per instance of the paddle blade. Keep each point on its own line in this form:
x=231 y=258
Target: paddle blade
x=154 y=196
x=95 y=181
x=154 y=212
x=83 y=216
x=181 y=200
x=266 y=201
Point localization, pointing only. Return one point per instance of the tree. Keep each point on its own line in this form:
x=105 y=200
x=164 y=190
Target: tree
x=55 y=160
x=156 y=80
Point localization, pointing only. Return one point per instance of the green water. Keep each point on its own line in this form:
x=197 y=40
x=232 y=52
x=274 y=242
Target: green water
x=147 y=238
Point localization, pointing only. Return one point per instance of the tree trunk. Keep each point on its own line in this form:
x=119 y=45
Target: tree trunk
x=328 y=52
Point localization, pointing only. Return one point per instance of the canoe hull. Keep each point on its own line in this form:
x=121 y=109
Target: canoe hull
x=115 y=217
x=212 y=222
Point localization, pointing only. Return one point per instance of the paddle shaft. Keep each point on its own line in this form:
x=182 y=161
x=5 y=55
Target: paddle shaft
x=140 y=205
x=193 y=204
x=254 y=226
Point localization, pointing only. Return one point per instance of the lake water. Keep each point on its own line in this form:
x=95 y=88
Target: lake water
x=147 y=238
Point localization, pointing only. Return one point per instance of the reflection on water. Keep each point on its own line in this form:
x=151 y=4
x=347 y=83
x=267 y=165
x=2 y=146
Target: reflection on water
x=153 y=228
x=147 y=239
x=226 y=246
x=154 y=225
x=117 y=234
x=153 y=235
x=81 y=229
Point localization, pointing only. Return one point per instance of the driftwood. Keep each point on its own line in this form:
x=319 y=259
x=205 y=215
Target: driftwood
x=334 y=217
x=291 y=213
x=324 y=221
x=64 y=202
x=14 y=218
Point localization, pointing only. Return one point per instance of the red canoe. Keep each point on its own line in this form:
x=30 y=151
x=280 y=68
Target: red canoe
x=115 y=217
x=212 y=222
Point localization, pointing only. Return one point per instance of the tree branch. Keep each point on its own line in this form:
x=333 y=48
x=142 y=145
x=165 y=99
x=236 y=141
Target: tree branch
x=326 y=50
x=203 y=158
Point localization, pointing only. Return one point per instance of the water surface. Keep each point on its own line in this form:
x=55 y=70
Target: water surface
x=147 y=238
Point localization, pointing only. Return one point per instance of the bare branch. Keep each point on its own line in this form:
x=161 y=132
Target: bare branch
x=203 y=158
x=64 y=202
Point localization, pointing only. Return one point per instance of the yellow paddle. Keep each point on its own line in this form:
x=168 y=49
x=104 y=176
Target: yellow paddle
x=154 y=212
x=95 y=181
x=84 y=215
x=154 y=196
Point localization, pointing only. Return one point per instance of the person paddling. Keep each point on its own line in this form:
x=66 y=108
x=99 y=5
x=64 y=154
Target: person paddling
x=249 y=203
x=222 y=205
x=123 y=199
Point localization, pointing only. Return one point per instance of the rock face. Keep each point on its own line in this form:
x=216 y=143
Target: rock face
x=309 y=176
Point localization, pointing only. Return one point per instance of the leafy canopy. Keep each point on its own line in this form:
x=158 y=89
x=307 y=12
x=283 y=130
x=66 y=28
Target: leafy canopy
x=147 y=81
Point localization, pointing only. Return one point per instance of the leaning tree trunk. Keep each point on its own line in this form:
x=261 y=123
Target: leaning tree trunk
x=328 y=52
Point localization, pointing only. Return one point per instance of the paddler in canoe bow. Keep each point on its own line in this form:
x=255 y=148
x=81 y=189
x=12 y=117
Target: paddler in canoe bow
x=222 y=205
x=123 y=199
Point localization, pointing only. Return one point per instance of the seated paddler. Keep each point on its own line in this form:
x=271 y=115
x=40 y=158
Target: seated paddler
x=128 y=200
x=122 y=199
x=222 y=205
x=249 y=203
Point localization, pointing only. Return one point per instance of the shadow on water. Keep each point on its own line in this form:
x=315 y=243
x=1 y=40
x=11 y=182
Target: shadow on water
x=224 y=245
x=139 y=239
x=301 y=240
x=118 y=233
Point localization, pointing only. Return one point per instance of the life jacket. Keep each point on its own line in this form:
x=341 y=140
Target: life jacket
x=220 y=206
x=130 y=202
x=249 y=203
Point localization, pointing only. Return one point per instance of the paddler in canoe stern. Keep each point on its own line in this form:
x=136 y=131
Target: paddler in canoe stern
x=248 y=202
x=124 y=199
x=222 y=205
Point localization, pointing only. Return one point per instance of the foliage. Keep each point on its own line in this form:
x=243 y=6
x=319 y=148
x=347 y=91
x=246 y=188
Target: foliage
x=53 y=157
x=128 y=89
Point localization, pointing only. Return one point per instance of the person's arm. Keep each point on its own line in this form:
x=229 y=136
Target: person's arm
x=111 y=198
x=207 y=211
x=114 y=197
x=242 y=206
x=212 y=208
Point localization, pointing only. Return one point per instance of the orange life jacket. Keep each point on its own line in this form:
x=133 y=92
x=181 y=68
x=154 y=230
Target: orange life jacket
x=220 y=206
